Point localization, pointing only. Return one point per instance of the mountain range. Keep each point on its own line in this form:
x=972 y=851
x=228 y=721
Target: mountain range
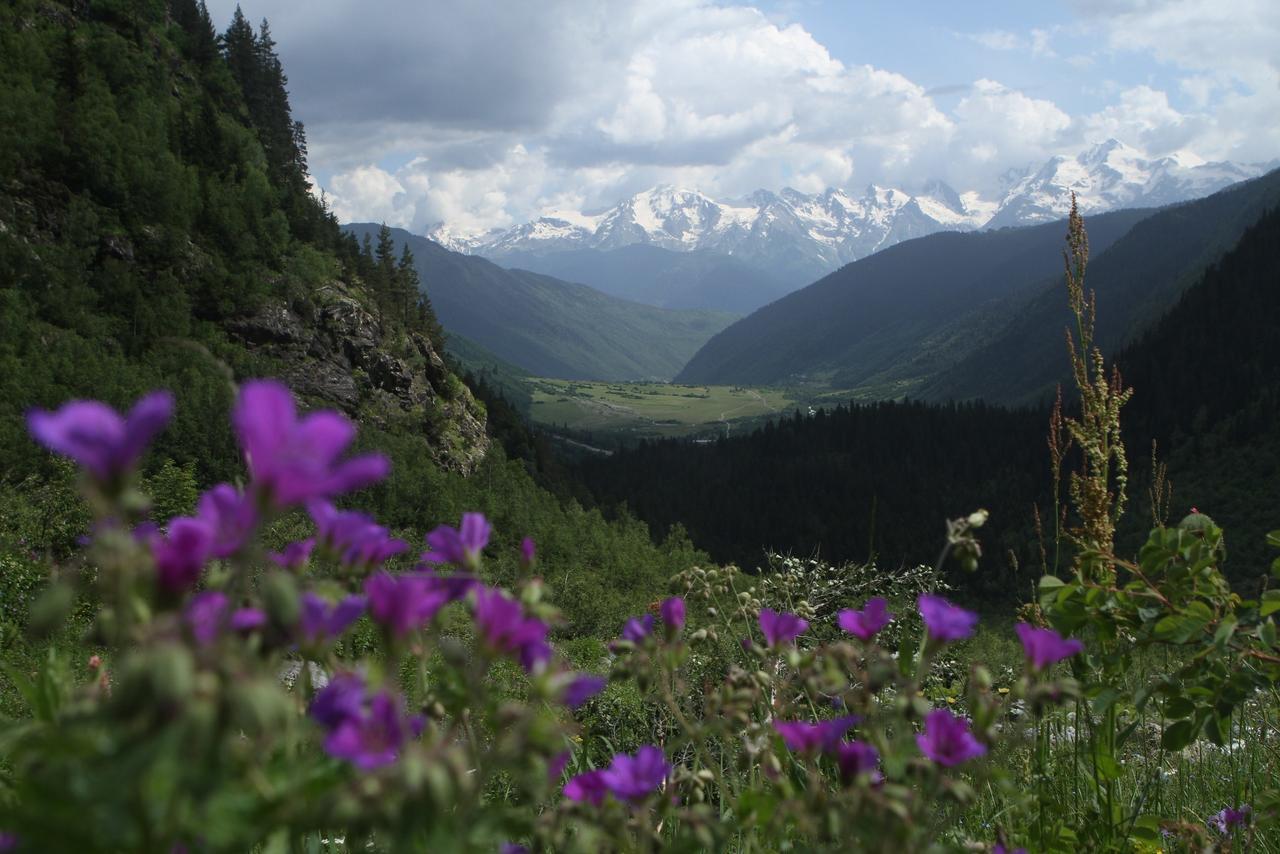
x=964 y=316
x=795 y=238
x=550 y=327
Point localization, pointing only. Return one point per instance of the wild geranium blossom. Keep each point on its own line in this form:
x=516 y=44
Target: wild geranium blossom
x=637 y=629
x=369 y=735
x=506 y=629
x=947 y=739
x=633 y=778
x=865 y=624
x=354 y=537
x=1229 y=819
x=206 y=612
x=1045 y=647
x=672 y=611
x=99 y=438
x=780 y=628
x=459 y=546
x=402 y=603
x=855 y=758
x=230 y=515
x=805 y=737
x=583 y=687
x=342 y=698
x=320 y=621
x=294 y=555
x=292 y=460
x=587 y=788
x=181 y=553
x=528 y=552
x=944 y=621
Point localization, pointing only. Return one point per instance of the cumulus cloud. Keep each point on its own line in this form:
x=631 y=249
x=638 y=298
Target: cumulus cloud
x=1227 y=50
x=498 y=110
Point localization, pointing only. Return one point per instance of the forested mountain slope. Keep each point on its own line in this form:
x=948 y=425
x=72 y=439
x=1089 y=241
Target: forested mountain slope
x=1136 y=280
x=157 y=230
x=550 y=327
x=892 y=319
x=881 y=477
x=701 y=278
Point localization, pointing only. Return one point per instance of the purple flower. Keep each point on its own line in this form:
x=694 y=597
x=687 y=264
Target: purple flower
x=856 y=758
x=512 y=848
x=586 y=788
x=358 y=541
x=294 y=554
x=1229 y=819
x=583 y=687
x=637 y=629
x=632 y=778
x=460 y=547
x=865 y=624
x=374 y=737
x=97 y=437
x=947 y=740
x=528 y=552
x=341 y=699
x=230 y=515
x=557 y=765
x=455 y=586
x=944 y=621
x=673 y=614
x=1045 y=646
x=9 y=842
x=781 y=628
x=293 y=460
x=402 y=603
x=1000 y=849
x=321 y=621
x=804 y=737
x=206 y=611
x=506 y=629
x=180 y=555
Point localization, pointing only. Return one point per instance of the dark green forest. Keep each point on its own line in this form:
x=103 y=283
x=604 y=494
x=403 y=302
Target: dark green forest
x=879 y=479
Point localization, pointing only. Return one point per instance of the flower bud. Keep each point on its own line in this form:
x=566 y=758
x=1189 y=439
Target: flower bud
x=259 y=706
x=280 y=597
x=170 y=674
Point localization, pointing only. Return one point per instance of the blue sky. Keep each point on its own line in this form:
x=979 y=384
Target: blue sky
x=484 y=113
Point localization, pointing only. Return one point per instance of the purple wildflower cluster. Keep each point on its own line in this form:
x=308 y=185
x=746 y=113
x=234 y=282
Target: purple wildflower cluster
x=947 y=739
x=206 y=617
x=369 y=730
x=628 y=778
x=1045 y=647
x=780 y=628
x=945 y=622
x=506 y=629
x=853 y=758
x=354 y=538
x=293 y=460
x=1228 y=819
x=868 y=622
x=97 y=437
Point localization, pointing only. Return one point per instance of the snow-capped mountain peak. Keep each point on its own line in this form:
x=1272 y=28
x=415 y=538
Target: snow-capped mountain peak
x=802 y=235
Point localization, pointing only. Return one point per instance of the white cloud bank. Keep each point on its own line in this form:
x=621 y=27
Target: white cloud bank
x=501 y=112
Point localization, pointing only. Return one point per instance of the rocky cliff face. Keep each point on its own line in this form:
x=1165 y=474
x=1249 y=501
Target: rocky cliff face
x=332 y=350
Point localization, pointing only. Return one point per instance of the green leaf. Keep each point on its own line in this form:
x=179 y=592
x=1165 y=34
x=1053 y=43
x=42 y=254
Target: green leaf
x=1267 y=633
x=1270 y=603
x=1178 y=735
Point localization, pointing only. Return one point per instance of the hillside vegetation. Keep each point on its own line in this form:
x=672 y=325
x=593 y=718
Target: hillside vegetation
x=550 y=327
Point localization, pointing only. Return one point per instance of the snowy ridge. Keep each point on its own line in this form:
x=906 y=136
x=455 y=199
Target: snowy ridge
x=808 y=235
